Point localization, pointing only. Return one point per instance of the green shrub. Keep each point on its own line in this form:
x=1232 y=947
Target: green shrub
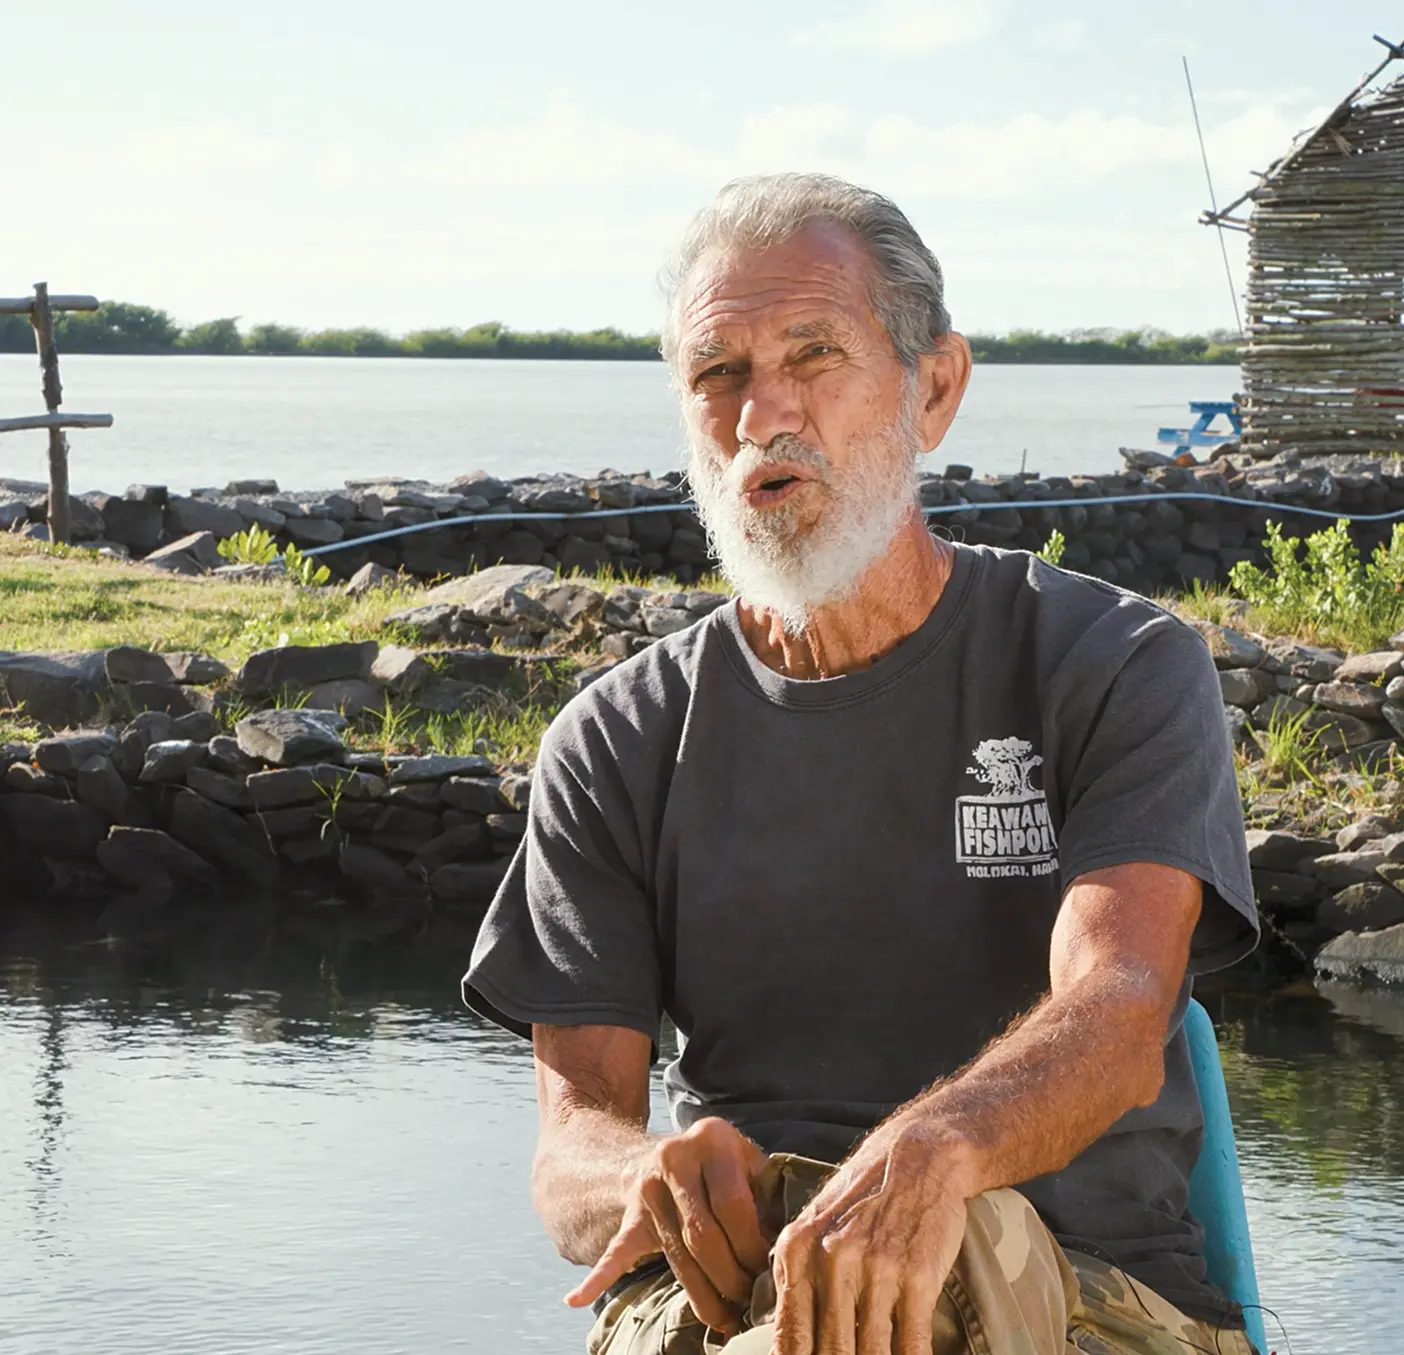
x=1053 y=548
x=304 y=569
x=1324 y=588
x=253 y=547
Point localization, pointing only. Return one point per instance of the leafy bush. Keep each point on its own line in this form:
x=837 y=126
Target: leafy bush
x=253 y=547
x=1053 y=548
x=304 y=569
x=1325 y=589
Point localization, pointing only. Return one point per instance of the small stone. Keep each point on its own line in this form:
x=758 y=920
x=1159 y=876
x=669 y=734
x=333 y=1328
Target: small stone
x=222 y=836
x=193 y=554
x=661 y=621
x=299 y=667
x=571 y=603
x=24 y=779
x=227 y=756
x=1392 y=873
x=369 y=577
x=220 y=787
x=438 y=767
x=288 y=737
x=199 y=725
x=1393 y=715
x=455 y=844
x=1340 y=869
x=418 y=795
x=349 y=696
x=1374 y=955
x=1283 y=887
x=101 y=786
x=291 y=822
x=1394 y=689
x=64 y=829
x=616 y=646
x=507 y=827
x=516 y=791
x=1335 y=732
x=1381 y=665
x=65 y=753
x=1275 y=850
x=137 y=855
x=1244 y=687
x=400 y=670
x=1369 y=829
x=473 y=795
x=587 y=676
x=1311 y=662
x=1364 y=907
x=474 y=883
x=1396 y=641
x=129 y=664
x=1229 y=648
x=196 y=669
x=1278 y=708
x=169 y=761
x=317 y=784
x=1350 y=698
x=372 y=869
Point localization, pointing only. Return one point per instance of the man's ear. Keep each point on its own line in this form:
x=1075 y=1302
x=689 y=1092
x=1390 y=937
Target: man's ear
x=942 y=377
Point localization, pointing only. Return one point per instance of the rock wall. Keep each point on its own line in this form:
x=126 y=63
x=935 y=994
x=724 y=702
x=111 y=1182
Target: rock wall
x=1144 y=546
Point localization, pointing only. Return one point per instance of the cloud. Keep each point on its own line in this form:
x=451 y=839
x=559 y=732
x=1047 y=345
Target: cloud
x=904 y=27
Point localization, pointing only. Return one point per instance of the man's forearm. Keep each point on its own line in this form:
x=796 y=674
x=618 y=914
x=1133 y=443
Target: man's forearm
x=1049 y=1087
x=580 y=1176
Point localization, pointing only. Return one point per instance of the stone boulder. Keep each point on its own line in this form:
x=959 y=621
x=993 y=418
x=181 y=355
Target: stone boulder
x=102 y=787
x=298 y=667
x=65 y=753
x=140 y=857
x=222 y=836
x=197 y=669
x=56 y=689
x=196 y=553
x=1229 y=648
x=495 y=594
x=1375 y=955
x=126 y=663
x=1381 y=665
x=66 y=829
x=370 y=576
x=171 y=759
x=287 y=737
x=134 y=523
x=186 y=517
x=1363 y=907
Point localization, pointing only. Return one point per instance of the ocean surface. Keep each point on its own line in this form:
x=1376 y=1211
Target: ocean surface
x=311 y=423
x=234 y=1131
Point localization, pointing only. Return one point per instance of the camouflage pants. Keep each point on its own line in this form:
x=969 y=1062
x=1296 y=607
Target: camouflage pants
x=1013 y=1291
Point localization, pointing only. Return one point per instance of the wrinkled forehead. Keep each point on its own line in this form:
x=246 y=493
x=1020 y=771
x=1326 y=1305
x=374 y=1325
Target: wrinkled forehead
x=814 y=284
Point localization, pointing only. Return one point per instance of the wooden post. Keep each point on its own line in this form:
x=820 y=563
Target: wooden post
x=43 y=321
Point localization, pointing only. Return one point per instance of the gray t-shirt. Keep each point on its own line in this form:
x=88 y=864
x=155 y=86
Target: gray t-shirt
x=840 y=890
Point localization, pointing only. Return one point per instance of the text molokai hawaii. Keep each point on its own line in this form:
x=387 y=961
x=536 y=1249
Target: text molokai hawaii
x=124 y=327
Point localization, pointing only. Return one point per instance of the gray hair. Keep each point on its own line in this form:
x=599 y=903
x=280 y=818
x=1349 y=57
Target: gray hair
x=906 y=292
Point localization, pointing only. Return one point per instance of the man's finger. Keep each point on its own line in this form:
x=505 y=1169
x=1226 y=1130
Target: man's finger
x=881 y=1289
x=734 y=1206
x=916 y=1313
x=702 y=1235
x=634 y=1242
x=794 y=1292
x=838 y=1263
x=706 y=1300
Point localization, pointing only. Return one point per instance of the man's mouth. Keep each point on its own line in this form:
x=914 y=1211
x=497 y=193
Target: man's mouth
x=764 y=490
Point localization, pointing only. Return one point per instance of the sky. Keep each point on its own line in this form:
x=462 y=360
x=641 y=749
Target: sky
x=446 y=162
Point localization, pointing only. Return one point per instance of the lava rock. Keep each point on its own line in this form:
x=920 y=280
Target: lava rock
x=220 y=787
x=473 y=795
x=1341 y=869
x=288 y=737
x=1351 y=698
x=269 y=671
x=194 y=554
x=1281 y=851
x=169 y=760
x=466 y=883
x=56 y=689
x=400 y=670
x=126 y=663
x=318 y=784
x=65 y=829
x=1363 y=907
x=136 y=856
x=437 y=767
x=368 y=577
x=1381 y=665
x=222 y=836
x=1230 y=648
x=65 y=753
x=100 y=785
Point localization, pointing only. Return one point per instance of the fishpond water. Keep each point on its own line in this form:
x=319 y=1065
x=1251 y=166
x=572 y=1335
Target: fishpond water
x=228 y=1130
x=312 y=423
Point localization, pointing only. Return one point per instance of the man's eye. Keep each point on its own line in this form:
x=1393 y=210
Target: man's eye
x=721 y=371
x=818 y=350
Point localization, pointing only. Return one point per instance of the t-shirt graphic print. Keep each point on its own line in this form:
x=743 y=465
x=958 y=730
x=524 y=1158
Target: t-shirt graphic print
x=1007 y=831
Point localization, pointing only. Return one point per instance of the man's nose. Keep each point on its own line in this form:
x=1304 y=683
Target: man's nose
x=770 y=406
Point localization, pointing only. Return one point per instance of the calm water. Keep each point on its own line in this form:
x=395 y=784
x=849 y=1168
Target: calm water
x=228 y=1133
x=313 y=422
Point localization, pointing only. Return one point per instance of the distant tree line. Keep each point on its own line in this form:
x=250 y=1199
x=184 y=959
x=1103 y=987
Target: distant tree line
x=120 y=327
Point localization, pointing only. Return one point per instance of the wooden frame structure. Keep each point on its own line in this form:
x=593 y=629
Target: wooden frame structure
x=1323 y=351
x=40 y=308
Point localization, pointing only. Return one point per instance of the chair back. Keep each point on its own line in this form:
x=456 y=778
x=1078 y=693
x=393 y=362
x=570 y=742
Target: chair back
x=1216 y=1187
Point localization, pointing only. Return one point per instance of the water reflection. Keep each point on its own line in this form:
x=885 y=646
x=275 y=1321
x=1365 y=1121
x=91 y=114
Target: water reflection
x=254 y=1127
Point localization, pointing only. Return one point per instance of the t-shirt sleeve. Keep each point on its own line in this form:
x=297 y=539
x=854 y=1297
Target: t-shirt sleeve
x=570 y=938
x=1146 y=771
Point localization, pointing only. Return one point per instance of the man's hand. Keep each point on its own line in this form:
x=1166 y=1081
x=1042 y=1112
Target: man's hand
x=860 y=1270
x=692 y=1201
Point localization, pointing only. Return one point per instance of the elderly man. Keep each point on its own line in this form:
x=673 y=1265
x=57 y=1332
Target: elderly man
x=915 y=843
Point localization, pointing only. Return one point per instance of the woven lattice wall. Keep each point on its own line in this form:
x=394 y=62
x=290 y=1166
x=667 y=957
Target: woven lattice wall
x=1323 y=362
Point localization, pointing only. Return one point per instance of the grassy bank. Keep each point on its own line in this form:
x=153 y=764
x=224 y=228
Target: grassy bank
x=122 y=327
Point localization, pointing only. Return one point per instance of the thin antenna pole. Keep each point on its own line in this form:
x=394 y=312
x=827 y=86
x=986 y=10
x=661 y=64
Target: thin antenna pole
x=1209 y=179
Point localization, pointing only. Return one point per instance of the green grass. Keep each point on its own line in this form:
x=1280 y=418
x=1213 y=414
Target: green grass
x=71 y=599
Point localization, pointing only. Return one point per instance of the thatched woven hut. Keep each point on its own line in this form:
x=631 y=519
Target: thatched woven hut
x=1323 y=354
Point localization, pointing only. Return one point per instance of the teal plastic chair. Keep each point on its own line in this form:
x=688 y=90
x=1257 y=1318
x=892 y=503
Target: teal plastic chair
x=1216 y=1186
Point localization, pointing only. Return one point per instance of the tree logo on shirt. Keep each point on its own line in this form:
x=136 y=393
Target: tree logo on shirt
x=1007 y=831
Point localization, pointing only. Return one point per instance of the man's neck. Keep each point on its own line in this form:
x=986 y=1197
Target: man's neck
x=892 y=599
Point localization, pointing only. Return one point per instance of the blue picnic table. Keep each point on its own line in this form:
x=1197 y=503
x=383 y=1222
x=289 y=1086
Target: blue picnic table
x=1200 y=434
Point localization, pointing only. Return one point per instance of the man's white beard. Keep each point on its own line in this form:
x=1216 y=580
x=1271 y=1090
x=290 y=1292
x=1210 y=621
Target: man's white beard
x=760 y=553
